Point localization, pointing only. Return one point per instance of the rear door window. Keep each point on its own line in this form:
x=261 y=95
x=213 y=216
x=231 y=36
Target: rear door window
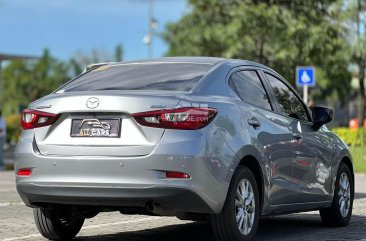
x=249 y=87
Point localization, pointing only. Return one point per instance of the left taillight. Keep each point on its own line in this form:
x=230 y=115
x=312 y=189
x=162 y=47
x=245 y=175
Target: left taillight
x=33 y=119
x=185 y=118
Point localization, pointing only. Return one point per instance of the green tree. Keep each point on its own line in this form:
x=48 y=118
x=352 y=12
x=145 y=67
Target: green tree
x=26 y=81
x=280 y=34
x=118 y=53
x=357 y=10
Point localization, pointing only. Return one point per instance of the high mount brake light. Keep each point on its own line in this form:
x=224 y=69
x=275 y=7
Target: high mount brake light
x=34 y=119
x=186 y=118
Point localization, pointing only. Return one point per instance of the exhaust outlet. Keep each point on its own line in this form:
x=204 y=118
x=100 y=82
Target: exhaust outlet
x=150 y=207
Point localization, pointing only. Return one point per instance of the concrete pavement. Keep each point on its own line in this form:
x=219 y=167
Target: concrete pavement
x=16 y=223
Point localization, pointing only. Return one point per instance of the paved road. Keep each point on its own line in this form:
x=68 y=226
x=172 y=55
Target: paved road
x=16 y=223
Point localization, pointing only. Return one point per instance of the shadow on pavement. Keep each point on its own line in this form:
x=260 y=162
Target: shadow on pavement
x=360 y=195
x=197 y=231
x=290 y=227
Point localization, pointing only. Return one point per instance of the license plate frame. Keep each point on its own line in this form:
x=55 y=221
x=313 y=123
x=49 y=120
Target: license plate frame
x=96 y=127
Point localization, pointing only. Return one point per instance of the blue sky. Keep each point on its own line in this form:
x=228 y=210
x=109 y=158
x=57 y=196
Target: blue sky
x=68 y=26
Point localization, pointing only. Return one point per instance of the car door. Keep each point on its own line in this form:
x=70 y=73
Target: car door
x=269 y=132
x=311 y=152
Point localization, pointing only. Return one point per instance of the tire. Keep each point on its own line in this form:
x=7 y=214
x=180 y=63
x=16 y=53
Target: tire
x=54 y=226
x=224 y=225
x=333 y=216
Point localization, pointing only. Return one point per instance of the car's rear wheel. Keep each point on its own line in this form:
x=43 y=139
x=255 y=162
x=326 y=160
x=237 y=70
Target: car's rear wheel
x=339 y=214
x=57 y=224
x=238 y=220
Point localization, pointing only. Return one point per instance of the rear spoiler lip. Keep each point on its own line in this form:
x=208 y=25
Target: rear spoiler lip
x=94 y=66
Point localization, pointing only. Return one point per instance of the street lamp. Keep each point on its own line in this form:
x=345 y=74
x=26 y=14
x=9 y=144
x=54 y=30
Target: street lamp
x=152 y=26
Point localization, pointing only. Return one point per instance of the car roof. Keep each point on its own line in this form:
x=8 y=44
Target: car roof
x=190 y=60
x=214 y=61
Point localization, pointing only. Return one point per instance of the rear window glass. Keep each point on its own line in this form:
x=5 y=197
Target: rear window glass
x=152 y=76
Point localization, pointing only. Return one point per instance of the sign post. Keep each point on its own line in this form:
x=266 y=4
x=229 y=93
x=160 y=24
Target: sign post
x=305 y=77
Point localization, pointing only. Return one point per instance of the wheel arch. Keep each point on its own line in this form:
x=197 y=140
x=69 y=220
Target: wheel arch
x=347 y=160
x=252 y=158
x=343 y=157
x=253 y=165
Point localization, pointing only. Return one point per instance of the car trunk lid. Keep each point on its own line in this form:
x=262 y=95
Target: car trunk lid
x=113 y=109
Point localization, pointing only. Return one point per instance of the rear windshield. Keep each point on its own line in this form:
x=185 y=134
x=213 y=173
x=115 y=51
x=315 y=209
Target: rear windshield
x=152 y=76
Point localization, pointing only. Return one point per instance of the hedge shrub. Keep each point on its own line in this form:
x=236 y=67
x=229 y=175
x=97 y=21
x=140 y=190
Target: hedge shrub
x=353 y=137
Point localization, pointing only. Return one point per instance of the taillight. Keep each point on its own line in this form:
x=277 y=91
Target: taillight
x=34 y=119
x=186 y=118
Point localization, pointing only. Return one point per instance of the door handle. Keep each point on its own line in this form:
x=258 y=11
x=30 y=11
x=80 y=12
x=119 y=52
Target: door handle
x=254 y=122
x=297 y=135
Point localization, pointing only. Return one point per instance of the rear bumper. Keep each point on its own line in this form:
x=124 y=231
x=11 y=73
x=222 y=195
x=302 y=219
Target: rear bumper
x=179 y=199
x=127 y=181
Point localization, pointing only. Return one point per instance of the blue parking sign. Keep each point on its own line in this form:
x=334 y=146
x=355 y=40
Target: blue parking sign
x=305 y=75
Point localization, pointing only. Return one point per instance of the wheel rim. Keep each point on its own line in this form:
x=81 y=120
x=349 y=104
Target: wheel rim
x=344 y=194
x=245 y=206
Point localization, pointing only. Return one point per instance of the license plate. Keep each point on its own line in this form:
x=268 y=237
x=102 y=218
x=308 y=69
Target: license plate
x=95 y=128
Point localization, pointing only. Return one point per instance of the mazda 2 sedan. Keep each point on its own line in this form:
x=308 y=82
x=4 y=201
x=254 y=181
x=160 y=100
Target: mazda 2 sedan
x=211 y=139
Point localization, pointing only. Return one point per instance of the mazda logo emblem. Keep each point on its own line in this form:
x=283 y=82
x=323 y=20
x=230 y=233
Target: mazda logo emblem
x=92 y=102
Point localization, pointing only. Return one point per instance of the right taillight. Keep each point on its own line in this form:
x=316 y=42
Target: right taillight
x=34 y=119
x=186 y=118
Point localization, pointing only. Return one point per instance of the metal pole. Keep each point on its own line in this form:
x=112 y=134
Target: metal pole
x=359 y=8
x=305 y=92
x=2 y=141
x=150 y=15
x=1 y=88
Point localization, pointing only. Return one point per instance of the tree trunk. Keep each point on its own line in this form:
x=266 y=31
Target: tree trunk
x=262 y=59
x=361 y=79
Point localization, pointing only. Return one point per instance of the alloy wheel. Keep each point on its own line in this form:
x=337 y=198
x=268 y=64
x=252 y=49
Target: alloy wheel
x=344 y=194
x=245 y=206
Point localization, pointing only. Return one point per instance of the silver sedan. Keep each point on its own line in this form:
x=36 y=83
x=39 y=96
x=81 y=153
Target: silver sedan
x=211 y=139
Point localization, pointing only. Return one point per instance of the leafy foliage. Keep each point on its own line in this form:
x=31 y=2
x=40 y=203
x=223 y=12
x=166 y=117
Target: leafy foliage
x=358 y=154
x=352 y=137
x=25 y=81
x=280 y=34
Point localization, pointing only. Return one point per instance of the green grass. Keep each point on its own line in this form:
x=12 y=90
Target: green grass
x=359 y=158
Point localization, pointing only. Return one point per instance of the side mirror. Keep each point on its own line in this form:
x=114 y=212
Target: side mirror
x=321 y=116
